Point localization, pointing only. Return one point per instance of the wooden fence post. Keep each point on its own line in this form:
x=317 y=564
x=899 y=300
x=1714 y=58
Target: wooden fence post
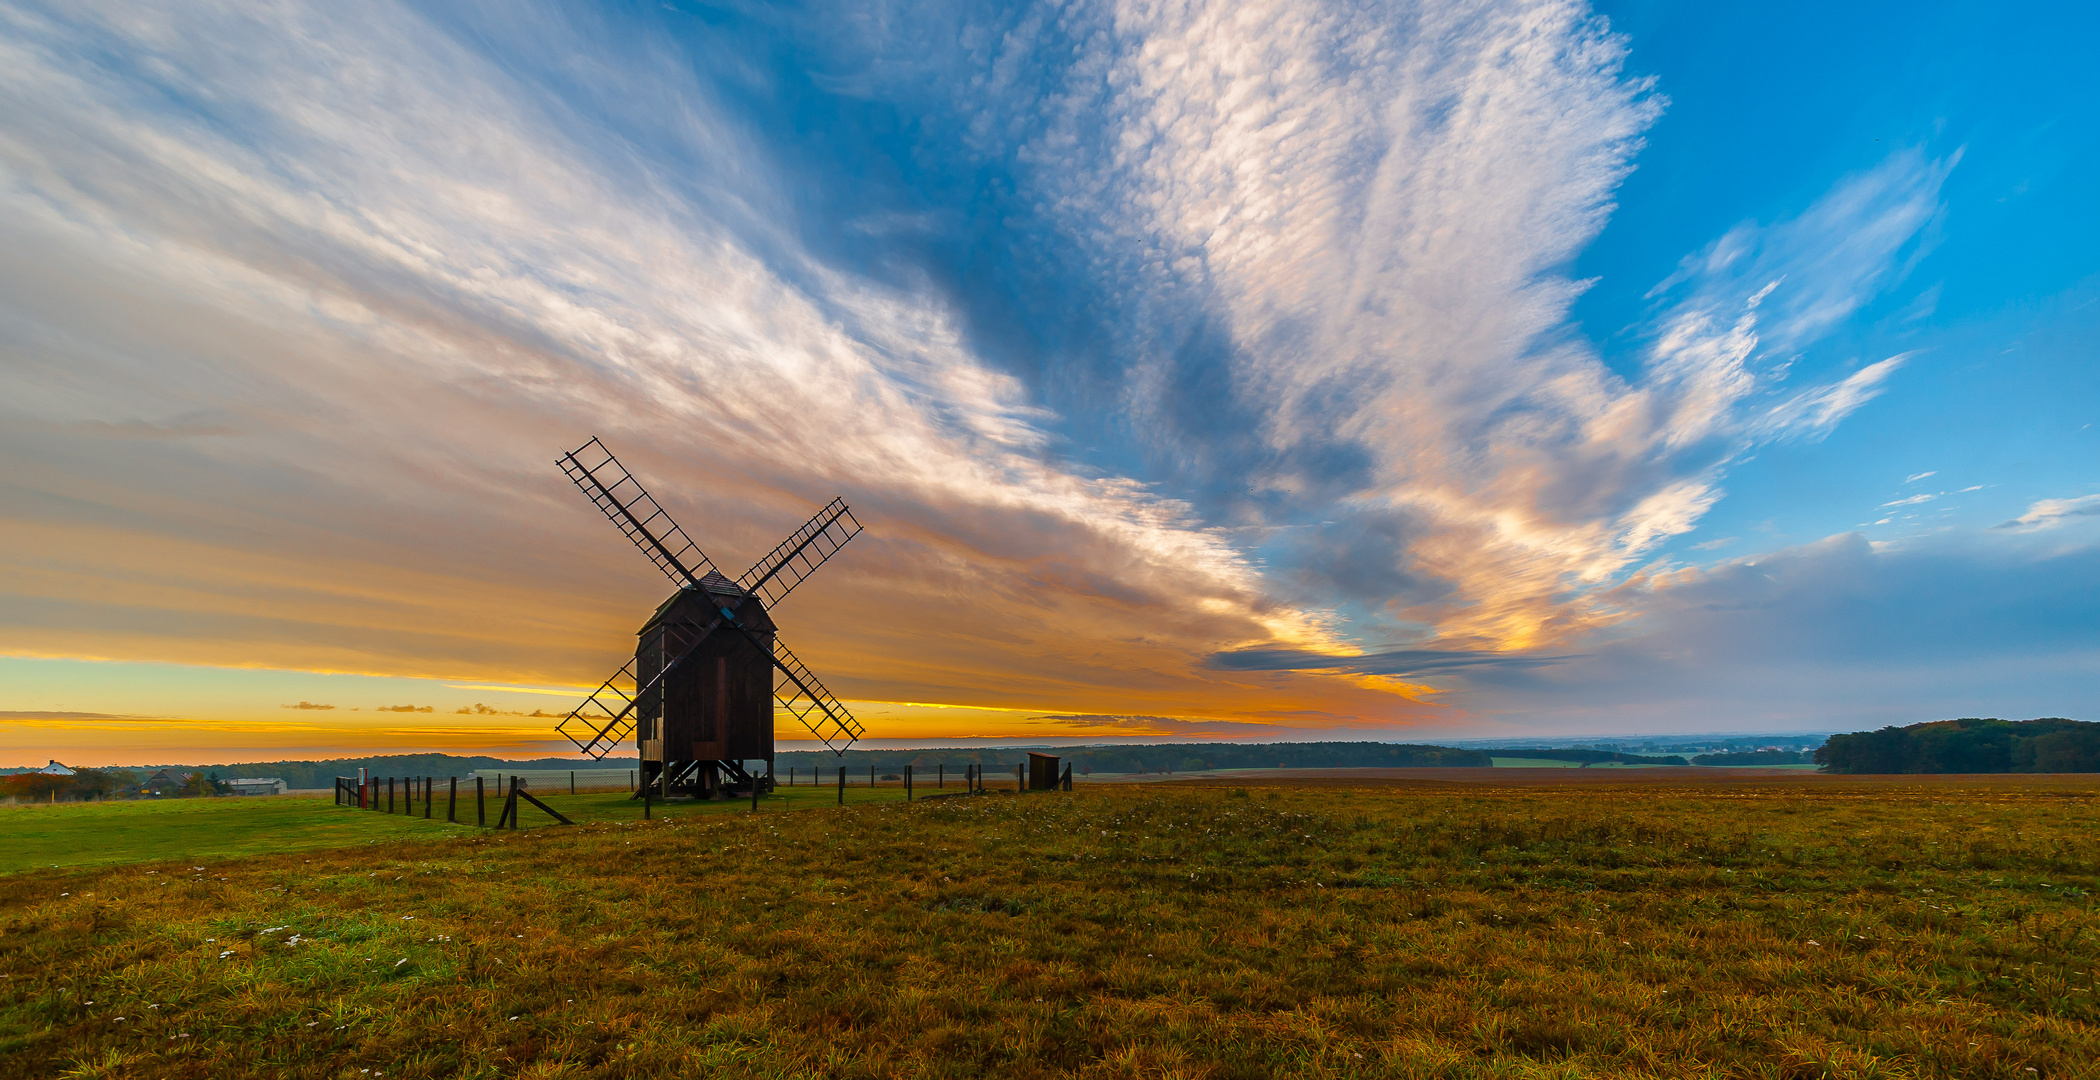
x=907 y=783
x=940 y=775
x=452 y=804
x=871 y=776
x=1020 y=779
x=572 y=781
x=842 y=785
x=428 y=783
x=481 y=806
x=754 y=791
x=645 y=802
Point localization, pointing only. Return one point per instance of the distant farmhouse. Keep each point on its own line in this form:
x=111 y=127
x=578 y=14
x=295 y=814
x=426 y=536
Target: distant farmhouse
x=267 y=785
x=164 y=782
x=54 y=769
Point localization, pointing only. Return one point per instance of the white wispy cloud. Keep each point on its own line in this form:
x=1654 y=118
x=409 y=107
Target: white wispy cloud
x=2050 y=513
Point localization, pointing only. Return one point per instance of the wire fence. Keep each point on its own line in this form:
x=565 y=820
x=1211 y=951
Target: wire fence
x=422 y=796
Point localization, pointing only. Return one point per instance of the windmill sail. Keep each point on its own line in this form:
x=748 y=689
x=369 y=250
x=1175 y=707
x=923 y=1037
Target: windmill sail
x=622 y=498
x=825 y=716
x=800 y=554
x=607 y=717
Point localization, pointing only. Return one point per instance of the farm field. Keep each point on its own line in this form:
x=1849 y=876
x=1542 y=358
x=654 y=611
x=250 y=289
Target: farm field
x=1414 y=925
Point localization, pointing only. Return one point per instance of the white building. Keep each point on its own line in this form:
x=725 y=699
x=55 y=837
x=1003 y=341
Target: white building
x=268 y=785
x=55 y=769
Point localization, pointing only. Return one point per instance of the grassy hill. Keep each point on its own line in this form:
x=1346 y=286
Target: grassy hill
x=1833 y=928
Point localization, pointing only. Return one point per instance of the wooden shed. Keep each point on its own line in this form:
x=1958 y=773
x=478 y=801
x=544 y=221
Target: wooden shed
x=716 y=710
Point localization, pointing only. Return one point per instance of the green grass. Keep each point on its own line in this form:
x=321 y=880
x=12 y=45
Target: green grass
x=102 y=833
x=1821 y=927
x=1533 y=763
x=99 y=834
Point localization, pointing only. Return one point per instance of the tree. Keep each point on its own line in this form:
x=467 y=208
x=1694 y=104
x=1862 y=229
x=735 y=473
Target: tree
x=201 y=783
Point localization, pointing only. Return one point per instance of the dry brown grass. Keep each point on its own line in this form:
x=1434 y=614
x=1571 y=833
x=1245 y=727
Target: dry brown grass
x=1776 y=928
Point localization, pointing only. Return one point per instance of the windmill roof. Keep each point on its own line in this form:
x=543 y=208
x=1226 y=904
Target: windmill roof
x=716 y=583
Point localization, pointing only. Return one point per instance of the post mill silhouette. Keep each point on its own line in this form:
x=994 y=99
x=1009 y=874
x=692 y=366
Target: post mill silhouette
x=704 y=664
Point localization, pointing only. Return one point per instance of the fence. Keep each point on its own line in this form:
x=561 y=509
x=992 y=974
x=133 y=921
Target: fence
x=378 y=794
x=366 y=796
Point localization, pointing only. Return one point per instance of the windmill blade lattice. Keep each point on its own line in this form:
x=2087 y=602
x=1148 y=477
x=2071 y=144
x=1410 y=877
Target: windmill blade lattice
x=807 y=700
x=607 y=717
x=622 y=498
x=801 y=553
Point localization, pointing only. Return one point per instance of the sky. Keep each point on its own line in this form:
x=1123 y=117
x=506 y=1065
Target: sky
x=1250 y=370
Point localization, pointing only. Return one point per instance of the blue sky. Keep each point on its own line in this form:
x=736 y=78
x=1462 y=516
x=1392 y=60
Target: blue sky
x=1295 y=370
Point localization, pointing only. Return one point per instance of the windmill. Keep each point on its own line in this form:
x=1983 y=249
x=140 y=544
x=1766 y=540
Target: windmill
x=704 y=664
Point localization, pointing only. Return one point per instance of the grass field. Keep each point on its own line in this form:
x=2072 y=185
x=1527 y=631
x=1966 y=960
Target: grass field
x=106 y=833
x=1754 y=927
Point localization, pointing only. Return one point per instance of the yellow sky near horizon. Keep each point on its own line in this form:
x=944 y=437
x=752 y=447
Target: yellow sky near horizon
x=150 y=713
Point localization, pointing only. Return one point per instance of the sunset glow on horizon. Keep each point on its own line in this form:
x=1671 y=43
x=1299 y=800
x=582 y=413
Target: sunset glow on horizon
x=1280 y=371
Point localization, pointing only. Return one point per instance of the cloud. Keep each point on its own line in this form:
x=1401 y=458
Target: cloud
x=1136 y=726
x=1190 y=331
x=404 y=708
x=1835 y=634
x=307 y=705
x=1911 y=501
x=1915 y=477
x=1398 y=662
x=2050 y=513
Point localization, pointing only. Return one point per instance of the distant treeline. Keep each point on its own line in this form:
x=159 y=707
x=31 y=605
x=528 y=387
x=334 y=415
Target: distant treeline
x=321 y=774
x=1757 y=757
x=1586 y=757
x=1155 y=758
x=1968 y=745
